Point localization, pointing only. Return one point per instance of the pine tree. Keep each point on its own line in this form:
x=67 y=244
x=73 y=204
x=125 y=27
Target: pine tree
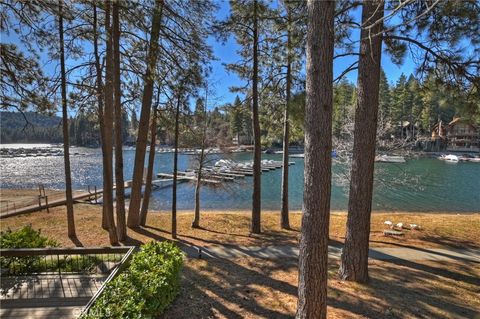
x=384 y=103
x=246 y=23
x=153 y=52
x=313 y=259
x=355 y=252
x=66 y=140
x=108 y=126
x=118 y=112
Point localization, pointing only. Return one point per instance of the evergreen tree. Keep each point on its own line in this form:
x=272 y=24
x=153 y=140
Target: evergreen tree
x=313 y=257
x=385 y=103
x=355 y=252
x=342 y=99
x=247 y=22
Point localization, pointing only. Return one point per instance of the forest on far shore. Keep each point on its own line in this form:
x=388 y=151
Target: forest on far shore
x=422 y=103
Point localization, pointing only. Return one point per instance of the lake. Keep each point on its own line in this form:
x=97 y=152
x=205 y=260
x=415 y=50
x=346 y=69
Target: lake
x=423 y=184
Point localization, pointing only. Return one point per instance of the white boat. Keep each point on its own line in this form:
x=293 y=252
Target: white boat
x=449 y=158
x=475 y=160
x=390 y=159
x=297 y=155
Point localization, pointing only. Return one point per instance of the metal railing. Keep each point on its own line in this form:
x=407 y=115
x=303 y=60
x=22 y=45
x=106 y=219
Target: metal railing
x=56 y=264
x=28 y=261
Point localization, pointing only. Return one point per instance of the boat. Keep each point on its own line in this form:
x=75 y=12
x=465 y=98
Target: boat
x=297 y=155
x=449 y=158
x=390 y=159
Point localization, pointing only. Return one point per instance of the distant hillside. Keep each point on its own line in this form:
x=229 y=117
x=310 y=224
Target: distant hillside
x=41 y=128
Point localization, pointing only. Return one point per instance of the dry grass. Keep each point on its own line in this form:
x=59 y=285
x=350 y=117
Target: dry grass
x=18 y=198
x=438 y=230
x=256 y=288
x=259 y=288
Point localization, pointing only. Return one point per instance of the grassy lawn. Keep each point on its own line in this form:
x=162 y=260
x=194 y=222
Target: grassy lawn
x=438 y=230
x=259 y=288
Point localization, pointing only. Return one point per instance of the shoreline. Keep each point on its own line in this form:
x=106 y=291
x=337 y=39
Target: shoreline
x=333 y=212
x=22 y=197
x=437 y=230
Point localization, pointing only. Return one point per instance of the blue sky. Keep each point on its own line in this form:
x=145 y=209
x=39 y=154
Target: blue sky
x=226 y=53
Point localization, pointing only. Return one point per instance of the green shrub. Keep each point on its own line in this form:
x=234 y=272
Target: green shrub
x=25 y=237
x=146 y=288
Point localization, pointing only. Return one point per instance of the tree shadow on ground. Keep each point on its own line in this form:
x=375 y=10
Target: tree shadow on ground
x=426 y=250
x=76 y=241
x=266 y=238
x=147 y=233
x=260 y=288
x=420 y=289
x=450 y=242
x=129 y=241
x=217 y=287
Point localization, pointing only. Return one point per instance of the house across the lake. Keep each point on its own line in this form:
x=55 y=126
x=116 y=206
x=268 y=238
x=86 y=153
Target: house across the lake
x=459 y=135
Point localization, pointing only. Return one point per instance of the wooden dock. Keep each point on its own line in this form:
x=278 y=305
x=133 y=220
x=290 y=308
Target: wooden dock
x=183 y=176
x=91 y=195
x=212 y=175
x=48 y=204
x=215 y=175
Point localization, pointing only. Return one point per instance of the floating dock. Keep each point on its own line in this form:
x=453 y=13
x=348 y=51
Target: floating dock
x=217 y=174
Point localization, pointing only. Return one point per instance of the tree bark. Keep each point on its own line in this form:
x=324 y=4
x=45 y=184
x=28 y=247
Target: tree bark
x=198 y=185
x=355 y=253
x=257 y=154
x=134 y=208
x=313 y=259
x=284 y=222
x=120 y=183
x=196 y=220
x=108 y=125
x=175 y=168
x=66 y=141
x=99 y=89
x=151 y=163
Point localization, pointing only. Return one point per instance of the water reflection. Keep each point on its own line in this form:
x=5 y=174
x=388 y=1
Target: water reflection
x=418 y=185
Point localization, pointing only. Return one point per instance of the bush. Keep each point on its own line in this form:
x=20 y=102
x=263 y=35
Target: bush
x=26 y=237
x=146 y=288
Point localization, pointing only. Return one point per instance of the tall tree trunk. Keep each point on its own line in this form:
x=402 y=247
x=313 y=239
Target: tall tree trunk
x=99 y=89
x=198 y=185
x=136 y=196
x=108 y=125
x=175 y=169
x=120 y=183
x=66 y=141
x=355 y=253
x=257 y=153
x=151 y=162
x=313 y=259
x=284 y=222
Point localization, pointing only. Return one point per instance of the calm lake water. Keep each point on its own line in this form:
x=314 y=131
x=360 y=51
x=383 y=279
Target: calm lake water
x=418 y=185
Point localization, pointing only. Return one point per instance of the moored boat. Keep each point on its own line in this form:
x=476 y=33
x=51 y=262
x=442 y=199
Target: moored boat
x=449 y=158
x=390 y=159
